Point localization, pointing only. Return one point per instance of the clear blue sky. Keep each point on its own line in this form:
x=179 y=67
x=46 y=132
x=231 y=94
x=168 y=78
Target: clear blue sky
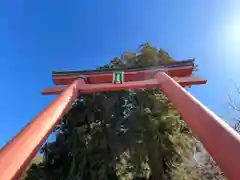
x=39 y=36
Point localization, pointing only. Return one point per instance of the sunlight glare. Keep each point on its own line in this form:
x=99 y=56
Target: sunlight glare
x=231 y=34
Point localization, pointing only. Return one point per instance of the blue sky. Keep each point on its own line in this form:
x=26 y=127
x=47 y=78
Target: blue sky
x=39 y=36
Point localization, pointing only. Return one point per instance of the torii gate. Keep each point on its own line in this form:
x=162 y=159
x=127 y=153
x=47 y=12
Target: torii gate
x=220 y=140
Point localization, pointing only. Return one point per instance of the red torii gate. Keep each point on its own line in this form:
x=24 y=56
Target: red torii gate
x=220 y=140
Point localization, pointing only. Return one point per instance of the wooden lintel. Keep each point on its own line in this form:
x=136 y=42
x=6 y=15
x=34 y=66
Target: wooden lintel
x=151 y=83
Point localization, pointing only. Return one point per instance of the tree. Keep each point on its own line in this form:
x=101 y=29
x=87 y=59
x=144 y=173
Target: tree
x=130 y=134
x=202 y=166
x=235 y=107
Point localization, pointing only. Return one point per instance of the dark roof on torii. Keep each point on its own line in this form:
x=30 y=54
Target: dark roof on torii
x=111 y=70
x=174 y=69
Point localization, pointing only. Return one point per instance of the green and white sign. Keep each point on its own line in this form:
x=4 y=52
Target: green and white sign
x=118 y=77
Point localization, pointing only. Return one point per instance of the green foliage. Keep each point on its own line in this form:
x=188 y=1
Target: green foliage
x=35 y=162
x=119 y=135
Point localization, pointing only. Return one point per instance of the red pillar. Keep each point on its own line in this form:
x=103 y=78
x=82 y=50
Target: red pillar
x=18 y=153
x=219 y=139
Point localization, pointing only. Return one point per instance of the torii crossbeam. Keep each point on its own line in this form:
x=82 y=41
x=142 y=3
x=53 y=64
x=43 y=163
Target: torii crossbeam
x=220 y=140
